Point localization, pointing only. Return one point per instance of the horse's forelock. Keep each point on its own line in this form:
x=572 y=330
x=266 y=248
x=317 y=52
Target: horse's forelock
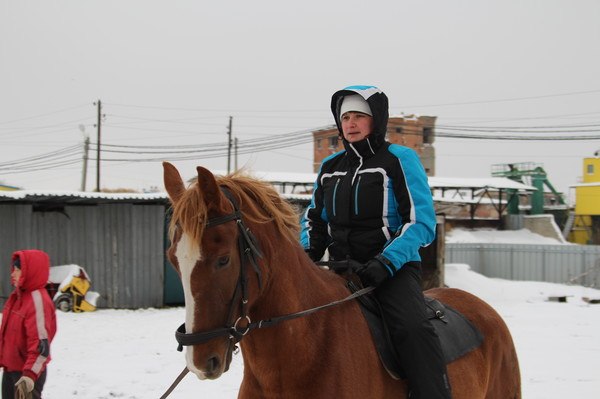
x=189 y=214
x=261 y=203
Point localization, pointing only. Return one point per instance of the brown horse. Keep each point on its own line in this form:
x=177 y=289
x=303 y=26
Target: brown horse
x=231 y=278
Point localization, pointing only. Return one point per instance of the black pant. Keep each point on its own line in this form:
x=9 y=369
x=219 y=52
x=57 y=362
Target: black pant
x=10 y=378
x=416 y=342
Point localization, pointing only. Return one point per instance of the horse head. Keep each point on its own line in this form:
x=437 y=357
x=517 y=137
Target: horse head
x=207 y=262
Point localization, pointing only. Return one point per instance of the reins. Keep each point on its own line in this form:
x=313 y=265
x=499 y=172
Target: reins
x=235 y=331
x=248 y=250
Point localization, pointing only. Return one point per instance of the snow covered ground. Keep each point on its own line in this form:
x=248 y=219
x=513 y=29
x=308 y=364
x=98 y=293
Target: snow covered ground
x=132 y=354
x=522 y=236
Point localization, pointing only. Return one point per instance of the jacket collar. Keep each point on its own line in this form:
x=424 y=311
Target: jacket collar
x=361 y=149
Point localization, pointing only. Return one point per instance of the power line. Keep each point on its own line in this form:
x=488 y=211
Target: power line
x=42 y=115
x=154 y=153
x=53 y=154
x=516 y=138
x=186 y=109
x=53 y=159
x=574 y=93
x=505 y=128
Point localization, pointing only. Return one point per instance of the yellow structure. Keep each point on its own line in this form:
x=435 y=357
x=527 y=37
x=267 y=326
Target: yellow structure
x=78 y=287
x=586 y=228
x=70 y=287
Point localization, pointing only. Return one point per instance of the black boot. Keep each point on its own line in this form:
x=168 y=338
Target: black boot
x=421 y=357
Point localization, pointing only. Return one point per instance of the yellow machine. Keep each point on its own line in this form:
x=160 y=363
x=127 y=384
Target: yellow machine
x=70 y=286
x=586 y=226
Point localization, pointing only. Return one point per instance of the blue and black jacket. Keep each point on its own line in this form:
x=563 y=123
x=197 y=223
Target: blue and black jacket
x=372 y=199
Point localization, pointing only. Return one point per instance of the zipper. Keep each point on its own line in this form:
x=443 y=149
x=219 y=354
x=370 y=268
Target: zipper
x=337 y=183
x=360 y=163
x=356 y=195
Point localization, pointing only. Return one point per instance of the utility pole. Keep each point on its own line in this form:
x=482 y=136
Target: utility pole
x=86 y=149
x=229 y=146
x=235 y=146
x=99 y=127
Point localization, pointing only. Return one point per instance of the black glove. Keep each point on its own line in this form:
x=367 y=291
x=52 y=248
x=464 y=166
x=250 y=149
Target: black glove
x=372 y=273
x=341 y=266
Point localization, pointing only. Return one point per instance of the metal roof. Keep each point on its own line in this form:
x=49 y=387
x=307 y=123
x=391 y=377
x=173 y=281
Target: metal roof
x=89 y=198
x=80 y=197
x=490 y=183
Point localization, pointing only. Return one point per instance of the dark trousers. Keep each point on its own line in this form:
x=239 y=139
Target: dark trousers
x=9 y=379
x=416 y=343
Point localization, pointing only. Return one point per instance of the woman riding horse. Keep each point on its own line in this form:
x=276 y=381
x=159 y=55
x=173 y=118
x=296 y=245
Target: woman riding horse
x=234 y=245
x=372 y=207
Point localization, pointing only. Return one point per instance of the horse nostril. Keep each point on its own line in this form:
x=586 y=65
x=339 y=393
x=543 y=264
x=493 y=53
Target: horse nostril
x=212 y=365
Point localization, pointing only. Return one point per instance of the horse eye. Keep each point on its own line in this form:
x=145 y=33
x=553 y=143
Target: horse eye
x=222 y=261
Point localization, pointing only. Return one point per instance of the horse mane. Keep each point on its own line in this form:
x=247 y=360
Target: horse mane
x=258 y=201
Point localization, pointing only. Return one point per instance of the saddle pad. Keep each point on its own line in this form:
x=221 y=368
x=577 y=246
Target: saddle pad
x=457 y=335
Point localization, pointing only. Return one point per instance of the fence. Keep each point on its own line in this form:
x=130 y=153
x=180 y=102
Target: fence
x=566 y=264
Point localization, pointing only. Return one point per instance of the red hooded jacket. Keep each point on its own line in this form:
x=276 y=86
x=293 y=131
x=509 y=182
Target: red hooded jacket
x=28 y=318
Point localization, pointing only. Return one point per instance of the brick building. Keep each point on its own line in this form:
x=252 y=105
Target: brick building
x=416 y=132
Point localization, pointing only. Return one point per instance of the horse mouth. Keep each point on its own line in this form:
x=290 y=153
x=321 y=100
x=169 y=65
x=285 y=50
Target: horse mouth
x=211 y=369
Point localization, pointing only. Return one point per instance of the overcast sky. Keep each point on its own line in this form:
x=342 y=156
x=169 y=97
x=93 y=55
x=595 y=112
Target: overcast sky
x=171 y=73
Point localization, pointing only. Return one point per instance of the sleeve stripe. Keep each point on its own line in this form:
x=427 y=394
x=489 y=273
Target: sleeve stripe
x=40 y=321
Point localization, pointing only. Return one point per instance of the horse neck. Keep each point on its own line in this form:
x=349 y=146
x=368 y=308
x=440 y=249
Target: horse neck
x=295 y=350
x=294 y=283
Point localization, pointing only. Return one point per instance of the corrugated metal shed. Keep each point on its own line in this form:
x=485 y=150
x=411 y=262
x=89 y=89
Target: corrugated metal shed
x=576 y=264
x=117 y=238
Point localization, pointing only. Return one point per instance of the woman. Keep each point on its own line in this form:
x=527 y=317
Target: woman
x=372 y=206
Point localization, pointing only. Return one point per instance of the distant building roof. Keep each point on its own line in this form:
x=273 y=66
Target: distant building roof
x=4 y=187
x=594 y=184
x=490 y=183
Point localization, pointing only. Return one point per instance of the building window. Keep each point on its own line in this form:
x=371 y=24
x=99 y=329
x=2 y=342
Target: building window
x=399 y=129
x=590 y=169
x=427 y=135
x=318 y=144
x=333 y=142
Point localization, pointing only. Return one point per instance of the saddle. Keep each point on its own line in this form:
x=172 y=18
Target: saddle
x=458 y=336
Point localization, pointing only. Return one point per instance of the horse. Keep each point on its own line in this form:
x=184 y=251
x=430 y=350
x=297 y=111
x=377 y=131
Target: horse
x=234 y=243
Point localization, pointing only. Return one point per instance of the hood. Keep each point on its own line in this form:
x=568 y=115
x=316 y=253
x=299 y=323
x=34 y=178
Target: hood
x=378 y=102
x=35 y=268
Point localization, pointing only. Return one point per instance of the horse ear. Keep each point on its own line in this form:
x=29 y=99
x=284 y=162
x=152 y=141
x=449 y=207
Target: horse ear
x=208 y=185
x=173 y=182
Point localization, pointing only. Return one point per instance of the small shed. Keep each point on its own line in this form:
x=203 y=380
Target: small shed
x=118 y=238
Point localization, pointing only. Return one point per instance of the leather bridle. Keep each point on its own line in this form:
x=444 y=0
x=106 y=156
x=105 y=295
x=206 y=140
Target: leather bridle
x=249 y=252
